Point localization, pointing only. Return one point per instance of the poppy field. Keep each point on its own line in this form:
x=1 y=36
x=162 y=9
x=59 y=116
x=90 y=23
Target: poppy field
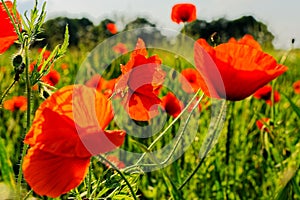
x=146 y=116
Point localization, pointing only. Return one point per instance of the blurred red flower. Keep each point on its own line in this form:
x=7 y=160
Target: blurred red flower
x=112 y=28
x=68 y=128
x=8 y=34
x=138 y=84
x=265 y=94
x=190 y=80
x=184 y=12
x=104 y=86
x=64 y=66
x=171 y=104
x=120 y=48
x=296 y=87
x=46 y=53
x=16 y=103
x=261 y=124
x=247 y=40
x=51 y=78
x=234 y=71
x=115 y=160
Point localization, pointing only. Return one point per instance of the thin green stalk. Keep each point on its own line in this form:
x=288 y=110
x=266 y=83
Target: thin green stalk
x=169 y=126
x=6 y=91
x=230 y=128
x=121 y=174
x=175 y=145
x=89 y=182
x=28 y=120
x=209 y=145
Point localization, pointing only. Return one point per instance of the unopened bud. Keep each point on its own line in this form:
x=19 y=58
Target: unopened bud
x=17 y=60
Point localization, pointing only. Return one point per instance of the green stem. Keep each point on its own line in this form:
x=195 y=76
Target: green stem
x=89 y=182
x=229 y=135
x=208 y=146
x=28 y=120
x=121 y=174
x=169 y=126
x=6 y=91
x=229 y=132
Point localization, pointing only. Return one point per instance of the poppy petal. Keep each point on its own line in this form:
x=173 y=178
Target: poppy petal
x=52 y=175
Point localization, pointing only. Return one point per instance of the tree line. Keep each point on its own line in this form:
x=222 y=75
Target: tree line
x=84 y=33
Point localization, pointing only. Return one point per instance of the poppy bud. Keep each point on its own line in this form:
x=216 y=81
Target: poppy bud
x=17 y=60
x=19 y=70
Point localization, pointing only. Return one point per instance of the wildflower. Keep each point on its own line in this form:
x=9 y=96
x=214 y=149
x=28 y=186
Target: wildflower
x=265 y=94
x=104 y=86
x=183 y=13
x=18 y=103
x=64 y=66
x=171 y=104
x=8 y=34
x=68 y=128
x=51 y=78
x=247 y=40
x=261 y=124
x=234 y=71
x=190 y=80
x=46 y=53
x=115 y=160
x=120 y=48
x=112 y=28
x=138 y=84
x=296 y=87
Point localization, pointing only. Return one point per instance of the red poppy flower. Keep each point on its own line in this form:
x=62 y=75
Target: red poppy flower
x=67 y=130
x=183 y=13
x=120 y=48
x=247 y=40
x=104 y=86
x=296 y=87
x=46 y=53
x=115 y=160
x=16 y=103
x=64 y=66
x=265 y=94
x=190 y=80
x=171 y=104
x=112 y=28
x=234 y=71
x=51 y=78
x=261 y=124
x=141 y=77
x=8 y=34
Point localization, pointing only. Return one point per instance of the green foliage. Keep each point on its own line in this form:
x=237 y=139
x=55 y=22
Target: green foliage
x=226 y=29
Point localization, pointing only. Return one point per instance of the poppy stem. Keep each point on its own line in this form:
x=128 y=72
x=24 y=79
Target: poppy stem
x=230 y=129
x=6 y=91
x=210 y=140
x=169 y=126
x=28 y=119
x=121 y=174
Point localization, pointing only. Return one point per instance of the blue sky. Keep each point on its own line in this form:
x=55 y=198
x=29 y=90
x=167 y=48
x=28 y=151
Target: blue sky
x=282 y=17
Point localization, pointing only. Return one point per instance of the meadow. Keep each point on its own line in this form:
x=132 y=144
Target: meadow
x=219 y=149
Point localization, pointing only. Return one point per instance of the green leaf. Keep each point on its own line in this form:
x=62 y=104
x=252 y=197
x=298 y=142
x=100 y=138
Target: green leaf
x=294 y=106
